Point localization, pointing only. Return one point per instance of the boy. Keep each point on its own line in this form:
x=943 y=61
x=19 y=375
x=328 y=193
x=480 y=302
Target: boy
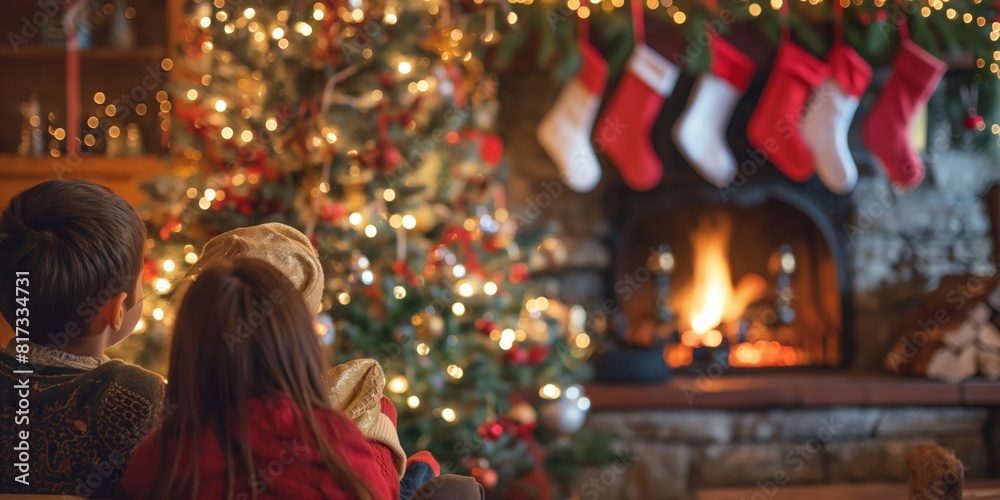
x=70 y=267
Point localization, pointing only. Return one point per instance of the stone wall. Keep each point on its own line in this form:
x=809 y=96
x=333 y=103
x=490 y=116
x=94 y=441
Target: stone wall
x=671 y=453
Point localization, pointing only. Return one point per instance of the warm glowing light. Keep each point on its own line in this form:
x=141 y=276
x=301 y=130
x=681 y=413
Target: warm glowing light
x=423 y=349
x=405 y=68
x=344 y=298
x=409 y=222
x=465 y=289
x=158 y=314
x=549 y=391
x=249 y=13
x=398 y=384
x=754 y=10
x=220 y=105
x=582 y=340
x=389 y=194
x=277 y=33
x=712 y=283
x=168 y=265
x=413 y=401
x=458 y=308
x=227 y=133
x=354 y=218
x=190 y=257
x=455 y=371
x=370 y=231
x=490 y=288
x=399 y=292
x=713 y=338
x=449 y=415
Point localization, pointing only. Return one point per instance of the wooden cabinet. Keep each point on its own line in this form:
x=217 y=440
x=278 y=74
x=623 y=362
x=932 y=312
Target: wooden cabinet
x=34 y=63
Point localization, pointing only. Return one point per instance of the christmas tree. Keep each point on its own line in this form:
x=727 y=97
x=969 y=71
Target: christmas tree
x=370 y=126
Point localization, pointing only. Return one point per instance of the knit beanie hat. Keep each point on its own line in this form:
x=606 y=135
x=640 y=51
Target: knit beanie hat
x=282 y=246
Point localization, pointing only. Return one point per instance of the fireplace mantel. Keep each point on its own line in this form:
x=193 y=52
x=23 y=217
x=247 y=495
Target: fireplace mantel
x=791 y=390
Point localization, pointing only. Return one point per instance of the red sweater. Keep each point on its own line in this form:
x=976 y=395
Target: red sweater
x=284 y=467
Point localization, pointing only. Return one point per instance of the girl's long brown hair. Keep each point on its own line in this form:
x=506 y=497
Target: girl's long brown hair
x=221 y=357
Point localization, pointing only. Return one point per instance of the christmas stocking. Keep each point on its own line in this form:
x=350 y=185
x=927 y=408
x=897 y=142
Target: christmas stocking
x=774 y=125
x=915 y=75
x=829 y=116
x=700 y=132
x=625 y=127
x=564 y=132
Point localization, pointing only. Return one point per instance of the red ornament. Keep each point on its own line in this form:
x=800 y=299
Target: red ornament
x=519 y=272
x=491 y=149
x=485 y=476
x=973 y=121
x=537 y=354
x=391 y=158
x=484 y=325
x=517 y=356
x=149 y=270
x=333 y=212
x=491 y=430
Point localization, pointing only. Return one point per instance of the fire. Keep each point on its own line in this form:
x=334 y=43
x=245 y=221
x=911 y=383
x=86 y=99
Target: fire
x=710 y=307
x=713 y=286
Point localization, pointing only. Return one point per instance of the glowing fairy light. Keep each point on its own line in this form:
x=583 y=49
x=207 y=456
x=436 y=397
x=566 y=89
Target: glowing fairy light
x=549 y=391
x=398 y=384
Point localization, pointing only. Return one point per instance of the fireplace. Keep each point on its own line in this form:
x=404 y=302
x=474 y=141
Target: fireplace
x=756 y=277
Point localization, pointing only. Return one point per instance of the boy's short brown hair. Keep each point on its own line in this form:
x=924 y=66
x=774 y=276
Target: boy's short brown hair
x=80 y=244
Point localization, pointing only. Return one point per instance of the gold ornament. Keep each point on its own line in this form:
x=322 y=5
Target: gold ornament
x=523 y=413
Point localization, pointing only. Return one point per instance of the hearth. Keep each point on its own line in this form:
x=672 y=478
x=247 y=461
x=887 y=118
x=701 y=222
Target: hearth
x=753 y=277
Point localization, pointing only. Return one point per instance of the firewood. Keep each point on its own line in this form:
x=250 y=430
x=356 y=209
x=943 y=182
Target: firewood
x=953 y=367
x=962 y=336
x=934 y=473
x=989 y=336
x=989 y=365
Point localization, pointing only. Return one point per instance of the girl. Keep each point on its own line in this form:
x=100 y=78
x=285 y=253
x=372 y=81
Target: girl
x=248 y=416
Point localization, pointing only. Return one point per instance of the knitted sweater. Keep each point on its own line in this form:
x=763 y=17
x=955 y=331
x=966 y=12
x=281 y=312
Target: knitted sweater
x=285 y=465
x=83 y=425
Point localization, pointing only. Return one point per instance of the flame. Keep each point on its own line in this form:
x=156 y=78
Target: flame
x=713 y=286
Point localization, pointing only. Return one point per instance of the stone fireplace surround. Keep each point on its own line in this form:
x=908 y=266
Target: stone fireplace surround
x=733 y=428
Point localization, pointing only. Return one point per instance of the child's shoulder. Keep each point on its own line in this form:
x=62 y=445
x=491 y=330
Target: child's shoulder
x=130 y=389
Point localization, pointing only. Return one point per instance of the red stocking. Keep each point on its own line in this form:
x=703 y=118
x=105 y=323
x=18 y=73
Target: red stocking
x=774 y=125
x=626 y=126
x=915 y=75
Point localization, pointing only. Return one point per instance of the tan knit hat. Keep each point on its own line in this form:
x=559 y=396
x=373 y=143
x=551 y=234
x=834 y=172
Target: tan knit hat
x=282 y=246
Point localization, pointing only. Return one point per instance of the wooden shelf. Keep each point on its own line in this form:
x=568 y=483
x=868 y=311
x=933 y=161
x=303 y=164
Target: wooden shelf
x=123 y=175
x=91 y=54
x=794 y=390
